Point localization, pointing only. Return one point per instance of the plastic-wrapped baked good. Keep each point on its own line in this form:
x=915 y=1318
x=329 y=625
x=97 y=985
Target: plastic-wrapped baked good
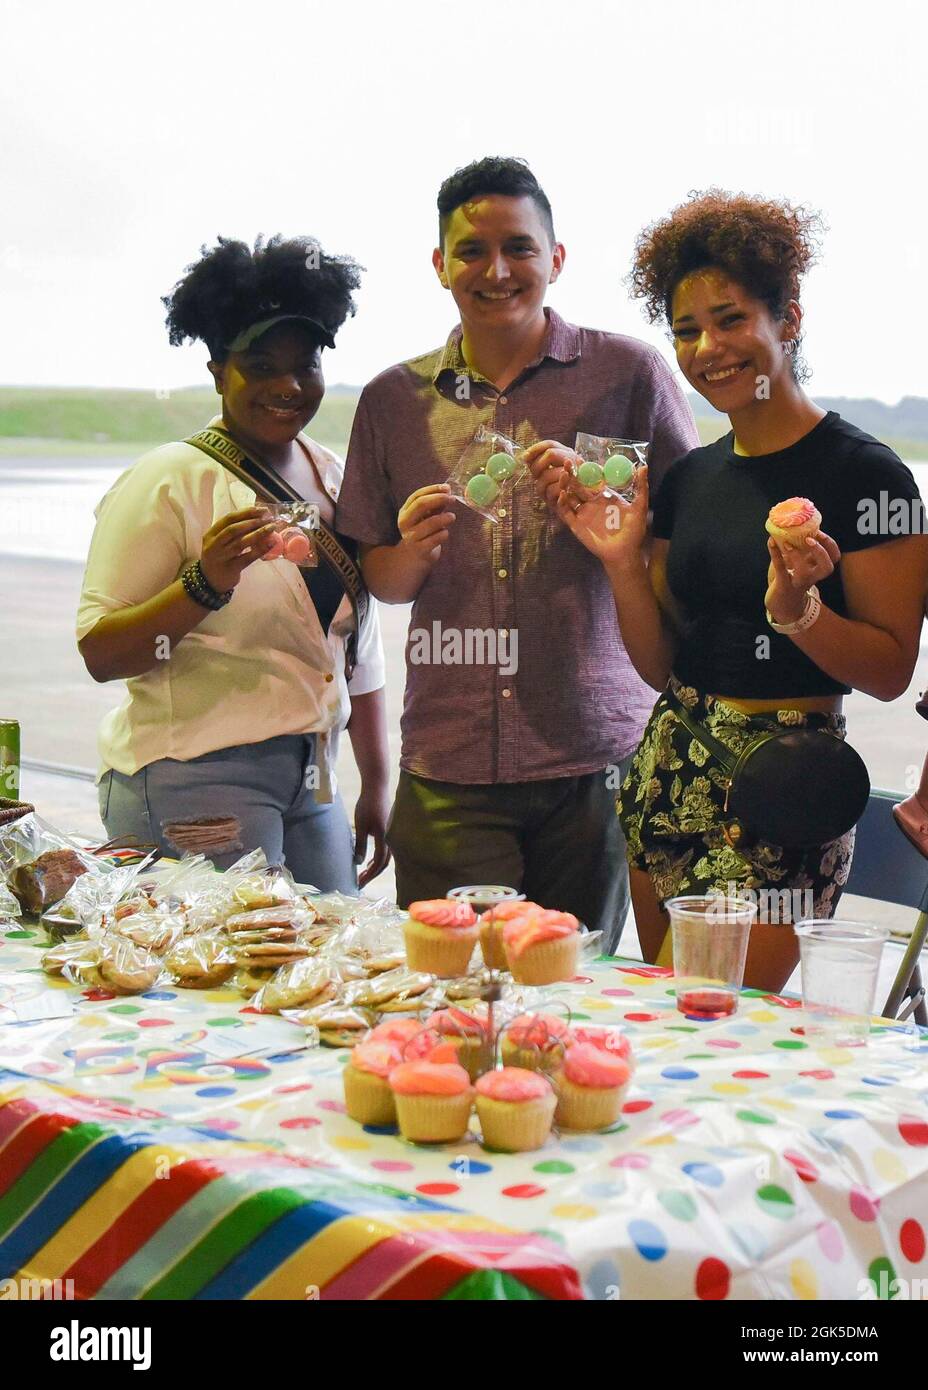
x=393 y=987
x=46 y=880
x=201 y=962
x=126 y=968
x=299 y=983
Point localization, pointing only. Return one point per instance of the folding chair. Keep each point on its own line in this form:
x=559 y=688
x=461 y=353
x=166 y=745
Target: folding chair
x=887 y=866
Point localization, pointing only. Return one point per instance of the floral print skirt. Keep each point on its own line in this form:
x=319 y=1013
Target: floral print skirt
x=671 y=806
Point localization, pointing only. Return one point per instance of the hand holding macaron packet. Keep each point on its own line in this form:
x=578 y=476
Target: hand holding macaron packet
x=293 y=534
x=606 y=465
x=489 y=468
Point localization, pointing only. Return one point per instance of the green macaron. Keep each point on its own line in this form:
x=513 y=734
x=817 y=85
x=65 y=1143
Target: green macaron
x=618 y=471
x=590 y=475
x=481 y=490
x=500 y=467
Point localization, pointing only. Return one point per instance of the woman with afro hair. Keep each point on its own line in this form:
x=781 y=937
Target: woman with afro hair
x=241 y=668
x=714 y=612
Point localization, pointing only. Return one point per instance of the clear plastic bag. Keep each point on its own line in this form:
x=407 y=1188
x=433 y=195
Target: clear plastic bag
x=305 y=982
x=94 y=899
x=126 y=968
x=487 y=471
x=40 y=863
x=9 y=905
x=607 y=464
x=293 y=533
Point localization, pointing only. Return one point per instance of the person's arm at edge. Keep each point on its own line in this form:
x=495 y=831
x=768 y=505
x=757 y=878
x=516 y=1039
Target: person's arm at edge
x=367 y=729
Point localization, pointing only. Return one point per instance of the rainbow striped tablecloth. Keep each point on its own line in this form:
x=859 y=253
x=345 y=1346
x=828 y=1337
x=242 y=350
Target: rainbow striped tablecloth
x=746 y=1163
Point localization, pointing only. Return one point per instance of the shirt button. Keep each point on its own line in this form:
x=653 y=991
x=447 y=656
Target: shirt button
x=503 y=574
x=506 y=693
x=330 y=677
x=504 y=400
x=500 y=511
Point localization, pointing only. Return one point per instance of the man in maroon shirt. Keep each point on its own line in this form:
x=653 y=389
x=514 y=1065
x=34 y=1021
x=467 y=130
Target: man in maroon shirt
x=521 y=706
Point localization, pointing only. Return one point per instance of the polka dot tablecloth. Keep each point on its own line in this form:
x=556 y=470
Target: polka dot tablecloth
x=747 y=1164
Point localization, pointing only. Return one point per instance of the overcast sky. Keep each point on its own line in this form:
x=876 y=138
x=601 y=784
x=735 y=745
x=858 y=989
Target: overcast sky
x=134 y=132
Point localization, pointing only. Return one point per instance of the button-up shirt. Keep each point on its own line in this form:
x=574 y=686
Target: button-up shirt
x=522 y=587
x=258 y=668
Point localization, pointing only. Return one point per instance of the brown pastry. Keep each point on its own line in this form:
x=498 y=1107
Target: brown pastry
x=46 y=880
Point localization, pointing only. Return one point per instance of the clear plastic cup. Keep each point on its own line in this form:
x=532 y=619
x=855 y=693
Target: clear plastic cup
x=840 y=964
x=482 y=896
x=710 y=945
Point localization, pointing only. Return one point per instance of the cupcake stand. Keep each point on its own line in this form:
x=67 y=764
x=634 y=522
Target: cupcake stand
x=178 y=1145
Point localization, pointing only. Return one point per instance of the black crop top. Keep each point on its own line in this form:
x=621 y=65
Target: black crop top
x=711 y=507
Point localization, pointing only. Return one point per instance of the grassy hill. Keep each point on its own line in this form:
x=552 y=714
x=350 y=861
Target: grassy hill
x=94 y=421
x=80 y=421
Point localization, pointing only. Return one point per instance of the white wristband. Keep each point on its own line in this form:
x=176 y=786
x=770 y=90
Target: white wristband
x=810 y=614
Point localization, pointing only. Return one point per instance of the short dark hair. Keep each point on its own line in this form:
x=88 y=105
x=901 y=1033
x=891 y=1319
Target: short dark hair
x=232 y=286
x=494 y=174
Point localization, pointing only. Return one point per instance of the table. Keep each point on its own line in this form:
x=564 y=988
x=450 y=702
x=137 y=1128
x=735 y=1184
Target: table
x=747 y=1165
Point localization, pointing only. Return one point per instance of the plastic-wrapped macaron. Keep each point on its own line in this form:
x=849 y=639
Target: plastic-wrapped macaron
x=481 y=490
x=590 y=475
x=297 y=546
x=276 y=548
x=618 y=471
x=499 y=467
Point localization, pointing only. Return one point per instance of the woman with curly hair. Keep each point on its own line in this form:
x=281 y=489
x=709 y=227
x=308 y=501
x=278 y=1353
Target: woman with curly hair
x=722 y=617
x=240 y=674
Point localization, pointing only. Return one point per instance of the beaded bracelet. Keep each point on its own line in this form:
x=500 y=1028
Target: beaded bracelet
x=197 y=586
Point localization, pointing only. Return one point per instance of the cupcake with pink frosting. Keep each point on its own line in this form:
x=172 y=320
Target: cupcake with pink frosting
x=491 y=931
x=535 y=1042
x=467 y=1033
x=368 y=1097
x=591 y=1086
x=542 y=947
x=395 y=1030
x=790 y=522
x=440 y=937
x=515 y=1108
x=433 y=1100
x=610 y=1040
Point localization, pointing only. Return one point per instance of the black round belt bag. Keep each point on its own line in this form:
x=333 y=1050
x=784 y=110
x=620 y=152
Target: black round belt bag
x=797 y=789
